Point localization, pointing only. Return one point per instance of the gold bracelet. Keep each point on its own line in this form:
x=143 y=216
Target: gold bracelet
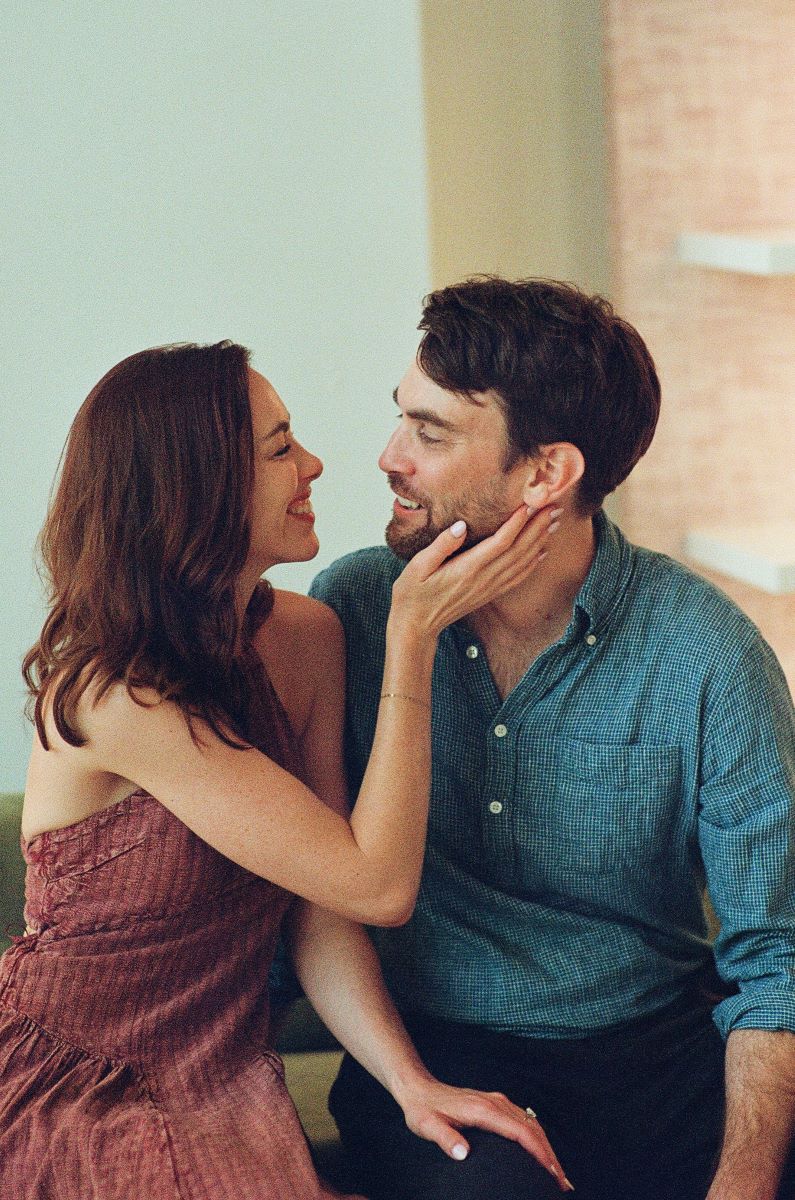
x=404 y=696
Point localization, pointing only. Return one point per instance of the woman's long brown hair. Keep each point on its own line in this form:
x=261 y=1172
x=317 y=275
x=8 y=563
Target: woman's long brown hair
x=145 y=540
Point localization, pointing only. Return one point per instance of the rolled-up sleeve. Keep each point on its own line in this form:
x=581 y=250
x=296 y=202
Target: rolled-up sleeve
x=747 y=838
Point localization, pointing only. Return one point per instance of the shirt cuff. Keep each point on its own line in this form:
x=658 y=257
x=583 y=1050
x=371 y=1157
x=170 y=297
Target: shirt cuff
x=770 y=1008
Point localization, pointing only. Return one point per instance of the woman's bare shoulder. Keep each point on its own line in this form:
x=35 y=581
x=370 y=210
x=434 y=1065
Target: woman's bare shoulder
x=291 y=610
x=302 y=646
x=300 y=628
x=65 y=783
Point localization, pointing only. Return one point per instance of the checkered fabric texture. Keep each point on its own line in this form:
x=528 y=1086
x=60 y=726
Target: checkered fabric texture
x=573 y=827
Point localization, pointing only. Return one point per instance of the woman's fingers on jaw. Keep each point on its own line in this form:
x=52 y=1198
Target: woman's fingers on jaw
x=519 y=533
x=429 y=560
x=534 y=536
x=515 y=543
x=510 y=531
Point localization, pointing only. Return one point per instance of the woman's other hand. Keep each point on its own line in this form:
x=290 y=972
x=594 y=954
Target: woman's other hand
x=437 y=1112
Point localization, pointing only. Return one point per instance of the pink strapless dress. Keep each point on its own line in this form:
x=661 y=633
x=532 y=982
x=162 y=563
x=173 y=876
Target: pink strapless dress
x=134 y=1054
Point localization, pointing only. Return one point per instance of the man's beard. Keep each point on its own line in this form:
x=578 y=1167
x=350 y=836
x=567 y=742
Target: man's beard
x=483 y=514
x=406 y=543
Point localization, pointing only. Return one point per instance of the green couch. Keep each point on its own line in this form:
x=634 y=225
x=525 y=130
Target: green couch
x=311 y=1056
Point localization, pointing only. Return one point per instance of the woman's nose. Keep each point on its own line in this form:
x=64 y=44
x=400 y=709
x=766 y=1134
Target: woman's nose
x=311 y=466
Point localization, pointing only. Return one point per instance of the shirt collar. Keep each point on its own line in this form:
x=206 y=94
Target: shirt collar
x=602 y=591
x=608 y=577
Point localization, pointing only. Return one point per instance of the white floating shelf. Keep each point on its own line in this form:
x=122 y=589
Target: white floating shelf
x=760 y=554
x=751 y=254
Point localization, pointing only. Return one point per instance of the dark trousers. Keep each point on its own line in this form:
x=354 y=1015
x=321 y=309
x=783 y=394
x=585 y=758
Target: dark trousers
x=634 y=1114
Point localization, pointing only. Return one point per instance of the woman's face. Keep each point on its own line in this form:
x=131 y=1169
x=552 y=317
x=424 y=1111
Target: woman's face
x=282 y=521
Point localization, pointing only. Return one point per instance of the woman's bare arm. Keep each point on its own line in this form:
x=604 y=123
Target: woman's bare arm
x=334 y=957
x=255 y=813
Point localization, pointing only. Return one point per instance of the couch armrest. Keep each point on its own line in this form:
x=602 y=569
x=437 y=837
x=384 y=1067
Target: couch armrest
x=12 y=869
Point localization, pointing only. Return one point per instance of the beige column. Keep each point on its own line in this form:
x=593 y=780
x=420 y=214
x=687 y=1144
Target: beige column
x=515 y=139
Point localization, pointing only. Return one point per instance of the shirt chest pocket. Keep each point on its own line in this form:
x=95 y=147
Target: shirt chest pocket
x=586 y=808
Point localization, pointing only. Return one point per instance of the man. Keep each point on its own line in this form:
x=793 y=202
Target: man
x=607 y=739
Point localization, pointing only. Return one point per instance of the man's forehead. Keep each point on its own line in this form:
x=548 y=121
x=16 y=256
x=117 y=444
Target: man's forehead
x=418 y=394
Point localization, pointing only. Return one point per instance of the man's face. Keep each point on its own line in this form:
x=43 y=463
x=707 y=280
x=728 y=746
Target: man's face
x=446 y=460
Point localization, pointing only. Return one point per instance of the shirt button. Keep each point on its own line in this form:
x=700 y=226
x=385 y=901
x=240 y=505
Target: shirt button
x=472 y=651
x=500 y=730
x=591 y=639
x=495 y=807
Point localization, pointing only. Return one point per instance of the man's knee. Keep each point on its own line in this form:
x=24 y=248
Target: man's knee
x=394 y=1164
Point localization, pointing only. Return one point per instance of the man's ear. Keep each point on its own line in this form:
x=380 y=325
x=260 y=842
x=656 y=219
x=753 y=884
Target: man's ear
x=553 y=475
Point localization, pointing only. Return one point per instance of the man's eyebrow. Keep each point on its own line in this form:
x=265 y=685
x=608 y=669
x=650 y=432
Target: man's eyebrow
x=282 y=427
x=427 y=417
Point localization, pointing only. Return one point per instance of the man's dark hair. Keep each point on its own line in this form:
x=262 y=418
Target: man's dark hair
x=563 y=366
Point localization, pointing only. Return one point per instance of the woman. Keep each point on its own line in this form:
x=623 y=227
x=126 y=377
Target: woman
x=134 y=1058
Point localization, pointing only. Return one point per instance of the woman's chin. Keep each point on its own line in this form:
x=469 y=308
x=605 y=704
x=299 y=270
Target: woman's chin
x=294 y=554
x=312 y=548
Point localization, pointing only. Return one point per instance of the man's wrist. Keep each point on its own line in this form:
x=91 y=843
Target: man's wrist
x=748 y=1187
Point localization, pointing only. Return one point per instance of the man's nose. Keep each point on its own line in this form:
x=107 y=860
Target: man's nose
x=393 y=459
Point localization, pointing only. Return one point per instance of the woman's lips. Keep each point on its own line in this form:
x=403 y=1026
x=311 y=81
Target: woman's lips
x=301 y=507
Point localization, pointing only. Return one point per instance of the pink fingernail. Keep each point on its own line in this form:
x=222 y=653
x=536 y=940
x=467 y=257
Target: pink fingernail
x=458 y=528
x=556 y=512
x=459 y=1152
x=555 y=525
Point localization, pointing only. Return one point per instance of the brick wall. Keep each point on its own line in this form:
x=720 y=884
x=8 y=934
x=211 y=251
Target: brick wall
x=701 y=110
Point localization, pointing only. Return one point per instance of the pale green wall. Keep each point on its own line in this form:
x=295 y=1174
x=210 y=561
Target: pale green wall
x=172 y=172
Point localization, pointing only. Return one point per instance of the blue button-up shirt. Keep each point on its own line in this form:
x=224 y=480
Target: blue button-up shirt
x=574 y=825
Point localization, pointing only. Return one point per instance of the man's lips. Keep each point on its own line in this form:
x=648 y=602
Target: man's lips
x=405 y=514
x=405 y=507
x=407 y=502
x=404 y=501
